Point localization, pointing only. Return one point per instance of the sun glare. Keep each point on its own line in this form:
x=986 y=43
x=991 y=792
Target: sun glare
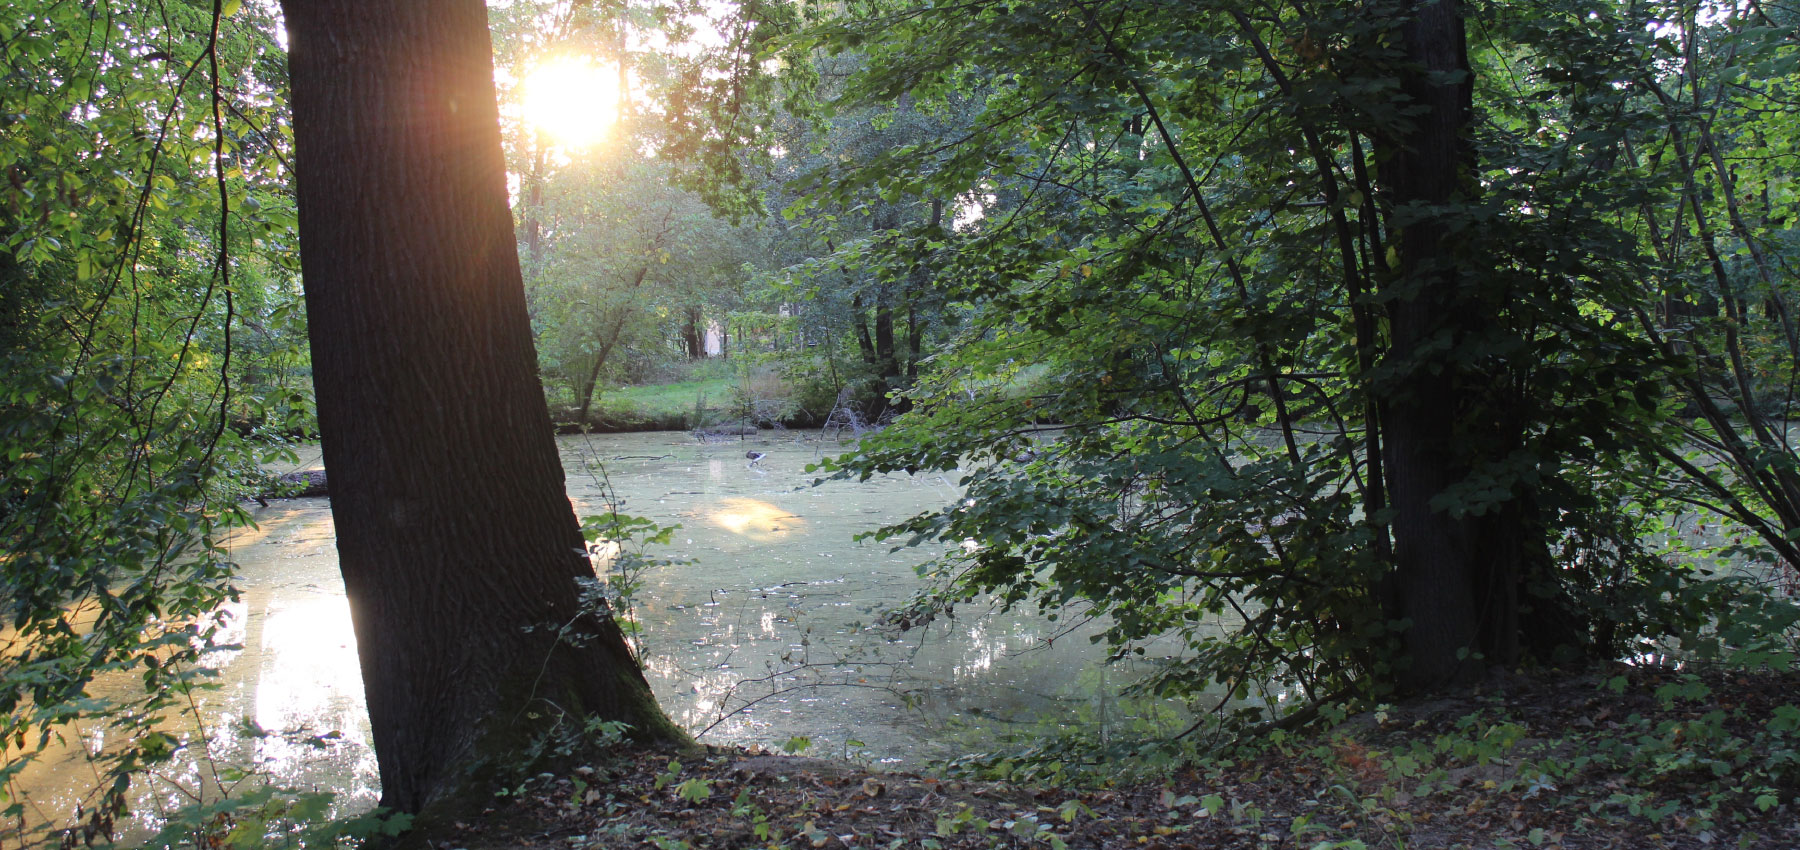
x=572 y=101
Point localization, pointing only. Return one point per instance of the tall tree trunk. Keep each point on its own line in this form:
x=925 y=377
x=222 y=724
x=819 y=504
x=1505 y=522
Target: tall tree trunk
x=1443 y=583
x=459 y=550
x=871 y=355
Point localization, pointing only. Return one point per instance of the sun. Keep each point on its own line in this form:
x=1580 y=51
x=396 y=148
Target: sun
x=572 y=101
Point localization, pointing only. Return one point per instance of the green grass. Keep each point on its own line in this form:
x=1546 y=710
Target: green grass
x=688 y=396
x=663 y=403
x=670 y=405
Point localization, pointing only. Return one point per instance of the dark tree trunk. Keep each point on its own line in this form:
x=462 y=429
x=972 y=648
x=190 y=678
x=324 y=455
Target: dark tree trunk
x=863 y=341
x=459 y=550
x=886 y=359
x=920 y=282
x=871 y=355
x=1455 y=577
x=915 y=341
x=693 y=338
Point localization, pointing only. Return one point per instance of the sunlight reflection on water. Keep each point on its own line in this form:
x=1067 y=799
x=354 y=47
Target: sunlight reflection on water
x=756 y=520
x=764 y=635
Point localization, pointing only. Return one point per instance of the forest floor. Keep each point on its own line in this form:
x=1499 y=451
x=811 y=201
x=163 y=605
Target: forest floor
x=1630 y=757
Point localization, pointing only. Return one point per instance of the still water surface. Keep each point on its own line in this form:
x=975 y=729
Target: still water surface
x=767 y=632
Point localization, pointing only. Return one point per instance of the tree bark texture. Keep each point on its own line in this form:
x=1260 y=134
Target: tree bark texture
x=1443 y=580
x=459 y=548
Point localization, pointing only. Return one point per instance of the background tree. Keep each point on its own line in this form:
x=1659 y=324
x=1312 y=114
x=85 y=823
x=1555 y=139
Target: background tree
x=1337 y=334
x=1715 y=242
x=858 y=273
x=632 y=265
x=461 y=555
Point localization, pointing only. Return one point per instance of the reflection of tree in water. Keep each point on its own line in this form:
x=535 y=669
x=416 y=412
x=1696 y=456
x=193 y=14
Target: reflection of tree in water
x=846 y=416
x=943 y=685
x=780 y=626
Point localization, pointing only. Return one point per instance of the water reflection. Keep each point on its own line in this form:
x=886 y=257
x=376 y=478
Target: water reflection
x=769 y=632
x=303 y=688
x=286 y=682
x=756 y=520
x=765 y=634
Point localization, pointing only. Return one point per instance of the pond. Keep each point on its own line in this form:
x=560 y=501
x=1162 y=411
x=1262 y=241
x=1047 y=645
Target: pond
x=766 y=633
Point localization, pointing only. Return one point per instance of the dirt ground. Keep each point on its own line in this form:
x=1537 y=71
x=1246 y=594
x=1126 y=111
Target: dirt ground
x=1458 y=772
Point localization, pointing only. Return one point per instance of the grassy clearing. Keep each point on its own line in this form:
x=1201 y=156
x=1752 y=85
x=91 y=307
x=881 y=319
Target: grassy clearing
x=663 y=406
x=689 y=396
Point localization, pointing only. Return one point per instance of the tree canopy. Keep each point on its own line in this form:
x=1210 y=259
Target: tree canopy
x=1381 y=339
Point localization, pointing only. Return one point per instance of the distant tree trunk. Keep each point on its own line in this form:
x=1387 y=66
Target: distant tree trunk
x=871 y=354
x=915 y=324
x=915 y=341
x=608 y=340
x=693 y=337
x=534 y=206
x=886 y=359
x=863 y=341
x=459 y=550
x=1455 y=577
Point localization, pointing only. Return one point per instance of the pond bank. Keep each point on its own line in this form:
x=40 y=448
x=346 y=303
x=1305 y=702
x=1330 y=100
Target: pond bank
x=1627 y=757
x=569 y=422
